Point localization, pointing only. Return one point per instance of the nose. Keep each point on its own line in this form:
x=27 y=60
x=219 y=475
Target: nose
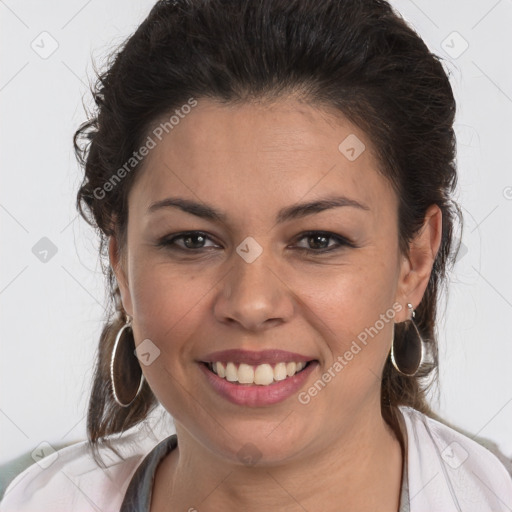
x=254 y=295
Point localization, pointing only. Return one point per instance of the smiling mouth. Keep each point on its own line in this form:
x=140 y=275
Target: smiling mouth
x=260 y=375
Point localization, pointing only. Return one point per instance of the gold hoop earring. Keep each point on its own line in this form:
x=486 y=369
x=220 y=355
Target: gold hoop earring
x=125 y=370
x=407 y=352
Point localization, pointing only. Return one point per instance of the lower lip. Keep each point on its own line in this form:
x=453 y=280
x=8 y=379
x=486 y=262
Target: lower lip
x=257 y=396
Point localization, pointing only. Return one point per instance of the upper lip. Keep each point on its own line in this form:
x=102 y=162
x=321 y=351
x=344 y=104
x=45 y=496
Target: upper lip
x=253 y=357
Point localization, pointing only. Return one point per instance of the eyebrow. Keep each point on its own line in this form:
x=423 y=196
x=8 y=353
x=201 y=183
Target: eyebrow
x=288 y=213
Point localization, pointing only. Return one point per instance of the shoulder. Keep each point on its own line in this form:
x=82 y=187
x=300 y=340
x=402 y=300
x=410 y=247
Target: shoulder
x=70 y=478
x=448 y=469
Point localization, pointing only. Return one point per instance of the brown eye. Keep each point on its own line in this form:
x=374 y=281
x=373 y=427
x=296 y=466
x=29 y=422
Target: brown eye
x=192 y=241
x=318 y=242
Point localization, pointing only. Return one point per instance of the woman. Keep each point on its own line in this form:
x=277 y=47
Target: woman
x=272 y=181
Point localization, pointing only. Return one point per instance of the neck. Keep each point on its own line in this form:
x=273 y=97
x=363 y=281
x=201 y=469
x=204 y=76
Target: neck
x=358 y=469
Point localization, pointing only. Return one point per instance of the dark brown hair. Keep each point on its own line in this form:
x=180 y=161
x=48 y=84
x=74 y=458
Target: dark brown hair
x=356 y=56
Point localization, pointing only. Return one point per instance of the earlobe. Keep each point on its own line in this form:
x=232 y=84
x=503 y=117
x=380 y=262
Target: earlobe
x=417 y=266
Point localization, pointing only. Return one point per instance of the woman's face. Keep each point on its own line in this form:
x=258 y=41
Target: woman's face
x=254 y=280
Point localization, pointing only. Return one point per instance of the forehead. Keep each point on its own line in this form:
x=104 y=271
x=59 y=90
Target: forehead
x=255 y=155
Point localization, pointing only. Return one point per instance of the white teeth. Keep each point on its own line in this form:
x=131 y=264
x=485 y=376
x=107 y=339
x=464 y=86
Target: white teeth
x=231 y=372
x=262 y=375
x=280 y=371
x=245 y=374
x=291 y=368
x=221 y=371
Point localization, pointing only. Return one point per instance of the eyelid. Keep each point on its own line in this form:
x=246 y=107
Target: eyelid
x=169 y=240
x=341 y=241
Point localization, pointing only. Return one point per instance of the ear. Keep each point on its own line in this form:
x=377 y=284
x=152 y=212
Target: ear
x=119 y=268
x=417 y=266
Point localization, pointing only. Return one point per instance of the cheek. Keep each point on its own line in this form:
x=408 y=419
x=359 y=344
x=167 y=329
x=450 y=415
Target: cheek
x=355 y=319
x=168 y=311
x=165 y=301
x=338 y=308
x=351 y=307
x=346 y=299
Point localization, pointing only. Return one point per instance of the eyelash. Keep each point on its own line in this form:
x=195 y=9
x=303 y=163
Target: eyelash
x=342 y=241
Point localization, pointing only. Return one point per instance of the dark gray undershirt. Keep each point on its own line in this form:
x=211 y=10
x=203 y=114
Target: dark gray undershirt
x=138 y=494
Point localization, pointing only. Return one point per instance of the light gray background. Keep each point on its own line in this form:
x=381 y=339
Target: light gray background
x=52 y=311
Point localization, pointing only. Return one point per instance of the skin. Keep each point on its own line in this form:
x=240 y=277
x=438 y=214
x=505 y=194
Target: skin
x=249 y=161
